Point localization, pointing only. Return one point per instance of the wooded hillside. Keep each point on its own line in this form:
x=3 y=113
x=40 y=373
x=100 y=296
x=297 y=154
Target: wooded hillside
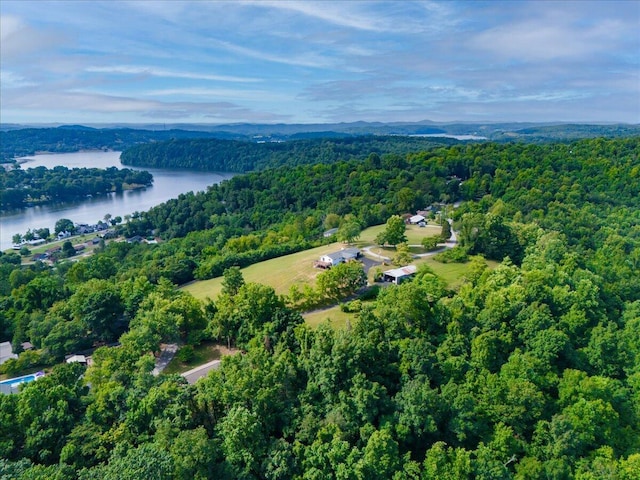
x=529 y=370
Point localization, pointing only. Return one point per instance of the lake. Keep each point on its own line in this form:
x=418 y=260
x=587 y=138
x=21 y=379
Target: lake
x=167 y=184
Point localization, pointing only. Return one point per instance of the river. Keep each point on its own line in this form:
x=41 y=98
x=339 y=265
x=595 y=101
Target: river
x=167 y=184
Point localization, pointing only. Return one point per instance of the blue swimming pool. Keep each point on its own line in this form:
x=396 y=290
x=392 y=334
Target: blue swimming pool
x=14 y=383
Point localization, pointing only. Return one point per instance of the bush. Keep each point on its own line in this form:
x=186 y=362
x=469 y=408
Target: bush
x=430 y=243
x=456 y=254
x=186 y=354
x=353 y=306
x=370 y=293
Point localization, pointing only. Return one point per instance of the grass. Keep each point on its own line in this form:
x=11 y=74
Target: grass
x=203 y=353
x=336 y=317
x=279 y=273
x=414 y=234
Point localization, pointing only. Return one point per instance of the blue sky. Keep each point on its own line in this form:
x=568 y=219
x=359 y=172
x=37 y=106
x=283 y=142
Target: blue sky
x=318 y=61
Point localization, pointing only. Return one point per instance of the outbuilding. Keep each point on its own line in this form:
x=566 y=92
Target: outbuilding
x=398 y=275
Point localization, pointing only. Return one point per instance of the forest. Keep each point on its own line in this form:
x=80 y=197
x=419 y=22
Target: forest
x=29 y=141
x=244 y=156
x=528 y=370
x=40 y=185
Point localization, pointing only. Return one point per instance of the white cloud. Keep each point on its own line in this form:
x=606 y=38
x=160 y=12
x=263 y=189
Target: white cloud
x=159 y=72
x=18 y=39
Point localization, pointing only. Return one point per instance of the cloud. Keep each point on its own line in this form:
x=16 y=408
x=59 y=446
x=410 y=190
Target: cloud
x=112 y=105
x=159 y=72
x=307 y=59
x=236 y=94
x=18 y=39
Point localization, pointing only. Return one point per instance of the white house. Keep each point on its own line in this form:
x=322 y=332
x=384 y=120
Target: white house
x=416 y=219
x=344 y=255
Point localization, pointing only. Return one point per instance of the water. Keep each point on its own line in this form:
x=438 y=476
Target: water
x=12 y=385
x=167 y=184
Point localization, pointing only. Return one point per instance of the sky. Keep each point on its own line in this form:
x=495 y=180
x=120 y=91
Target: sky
x=90 y=62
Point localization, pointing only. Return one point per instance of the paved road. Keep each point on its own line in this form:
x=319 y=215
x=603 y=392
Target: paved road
x=197 y=373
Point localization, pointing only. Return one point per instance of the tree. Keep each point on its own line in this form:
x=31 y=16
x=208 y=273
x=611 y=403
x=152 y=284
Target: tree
x=68 y=250
x=16 y=239
x=232 y=281
x=332 y=220
x=43 y=233
x=342 y=280
x=403 y=255
x=446 y=230
x=394 y=232
x=64 y=225
x=349 y=229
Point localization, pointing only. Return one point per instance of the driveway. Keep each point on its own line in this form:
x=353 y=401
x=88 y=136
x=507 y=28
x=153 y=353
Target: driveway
x=197 y=373
x=167 y=352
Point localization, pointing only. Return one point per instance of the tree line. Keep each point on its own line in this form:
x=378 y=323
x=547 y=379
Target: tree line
x=244 y=156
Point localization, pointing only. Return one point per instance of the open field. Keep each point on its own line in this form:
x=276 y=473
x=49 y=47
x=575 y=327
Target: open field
x=279 y=273
x=414 y=234
x=337 y=317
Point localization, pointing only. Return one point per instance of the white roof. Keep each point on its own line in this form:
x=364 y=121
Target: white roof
x=402 y=271
x=416 y=219
x=77 y=358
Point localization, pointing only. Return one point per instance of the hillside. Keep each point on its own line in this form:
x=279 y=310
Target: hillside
x=527 y=370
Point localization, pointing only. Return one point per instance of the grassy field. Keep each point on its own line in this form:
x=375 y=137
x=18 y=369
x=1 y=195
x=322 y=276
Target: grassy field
x=337 y=317
x=414 y=234
x=297 y=269
x=280 y=273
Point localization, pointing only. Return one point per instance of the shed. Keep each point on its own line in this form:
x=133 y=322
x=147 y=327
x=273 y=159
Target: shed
x=397 y=275
x=416 y=219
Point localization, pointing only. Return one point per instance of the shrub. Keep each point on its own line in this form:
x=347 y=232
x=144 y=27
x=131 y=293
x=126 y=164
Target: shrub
x=456 y=254
x=186 y=354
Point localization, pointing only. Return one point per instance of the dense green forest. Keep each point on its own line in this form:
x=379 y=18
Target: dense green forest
x=529 y=370
x=28 y=141
x=40 y=185
x=239 y=156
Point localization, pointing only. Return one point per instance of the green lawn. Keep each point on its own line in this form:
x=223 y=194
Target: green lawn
x=336 y=317
x=279 y=273
x=414 y=234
